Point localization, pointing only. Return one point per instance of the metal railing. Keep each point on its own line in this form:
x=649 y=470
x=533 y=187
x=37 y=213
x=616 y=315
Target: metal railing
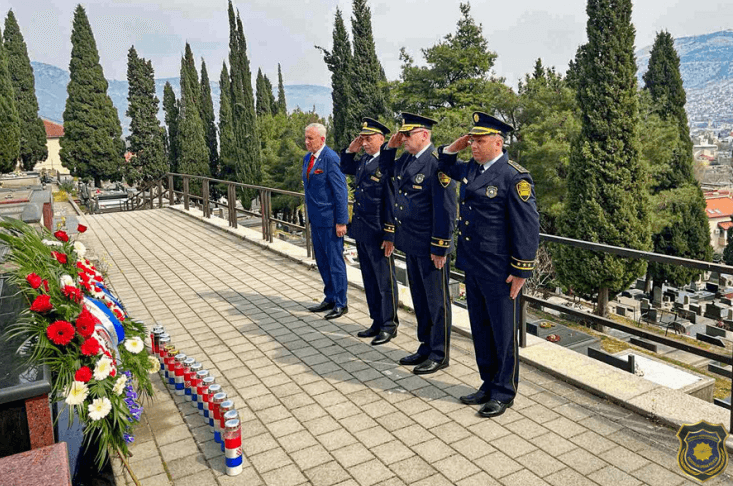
x=265 y=197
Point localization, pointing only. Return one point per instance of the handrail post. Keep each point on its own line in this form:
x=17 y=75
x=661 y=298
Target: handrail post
x=160 y=193
x=264 y=213
x=205 y=197
x=232 y=200
x=269 y=211
x=151 y=196
x=185 y=193
x=171 y=191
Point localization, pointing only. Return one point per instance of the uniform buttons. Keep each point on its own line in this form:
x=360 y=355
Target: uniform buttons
x=395 y=205
x=463 y=203
x=466 y=223
x=401 y=208
x=468 y=239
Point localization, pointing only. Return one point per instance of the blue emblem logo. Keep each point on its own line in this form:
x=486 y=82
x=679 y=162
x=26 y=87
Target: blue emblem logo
x=702 y=452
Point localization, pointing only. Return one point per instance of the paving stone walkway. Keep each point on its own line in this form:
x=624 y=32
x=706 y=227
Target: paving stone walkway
x=321 y=406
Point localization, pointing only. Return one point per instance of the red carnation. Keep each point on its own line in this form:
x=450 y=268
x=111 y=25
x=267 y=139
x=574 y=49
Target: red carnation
x=86 y=286
x=60 y=332
x=61 y=257
x=85 y=323
x=83 y=374
x=90 y=347
x=61 y=236
x=33 y=280
x=84 y=277
x=81 y=228
x=45 y=284
x=73 y=293
x=41 y=304
x=113 y=373
x=118 y=314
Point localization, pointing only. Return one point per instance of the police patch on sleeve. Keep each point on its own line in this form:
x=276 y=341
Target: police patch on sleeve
x=444 y=179
x=524 y=189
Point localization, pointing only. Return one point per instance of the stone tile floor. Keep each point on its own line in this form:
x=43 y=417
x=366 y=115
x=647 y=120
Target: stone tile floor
x=321 y=406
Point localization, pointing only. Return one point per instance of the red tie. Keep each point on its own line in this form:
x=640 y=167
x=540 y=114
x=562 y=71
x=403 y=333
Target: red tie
x=310 y=166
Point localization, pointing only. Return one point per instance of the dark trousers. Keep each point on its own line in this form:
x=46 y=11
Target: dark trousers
x=380 y=285
x=431 y=301
x=493 y=315
x=329 y=252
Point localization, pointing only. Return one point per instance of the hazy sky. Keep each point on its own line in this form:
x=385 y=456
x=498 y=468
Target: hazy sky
x=286 y=31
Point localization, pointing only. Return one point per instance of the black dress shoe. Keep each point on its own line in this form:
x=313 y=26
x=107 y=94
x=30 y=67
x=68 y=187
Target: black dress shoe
x=371 y=332
x=323 y=306
x=494 y=408
x=383 y=337
x=336 y=312
x=429 y=366
x=475 y=398
x=413 y=359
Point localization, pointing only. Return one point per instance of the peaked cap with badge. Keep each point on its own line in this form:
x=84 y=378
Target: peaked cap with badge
x=411 y=121
x=498 y=236
x=370 y=126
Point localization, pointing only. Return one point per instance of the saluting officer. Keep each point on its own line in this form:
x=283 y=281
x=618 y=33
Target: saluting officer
x=371 y=199
x=424 y=213
x=498 y=235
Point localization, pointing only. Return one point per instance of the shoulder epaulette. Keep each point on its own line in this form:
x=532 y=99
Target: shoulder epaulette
x=519 y=168
x=435 y=154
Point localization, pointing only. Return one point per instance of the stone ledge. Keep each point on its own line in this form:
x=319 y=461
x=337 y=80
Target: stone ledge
x=670 y=407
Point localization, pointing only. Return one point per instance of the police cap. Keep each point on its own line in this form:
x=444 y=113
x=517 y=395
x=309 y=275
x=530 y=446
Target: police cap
x=370 y=126
x=484 y=124
x=411 y=122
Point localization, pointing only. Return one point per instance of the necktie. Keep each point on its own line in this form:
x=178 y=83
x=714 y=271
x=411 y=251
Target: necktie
x=310 y=166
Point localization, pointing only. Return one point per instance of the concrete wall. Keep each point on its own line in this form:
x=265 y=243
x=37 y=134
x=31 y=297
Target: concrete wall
x=53 y=162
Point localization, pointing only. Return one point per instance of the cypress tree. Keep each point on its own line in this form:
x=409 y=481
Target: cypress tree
x=170 y=107
x=92 y=145
x=9 y=121
x=270 y=95
x=281 y=105
x=244 y=119
x=194 y=153
x=263 y=99
x=32 y=132
x=146 y=142
x=207 y=117
x=366 y=70
x=188 y=68
x=226 y=132
x=339 y=60
x=606 y=200
x=728 y=251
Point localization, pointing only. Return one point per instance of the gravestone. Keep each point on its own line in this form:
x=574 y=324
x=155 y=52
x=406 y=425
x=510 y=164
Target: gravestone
x=628 y=364
x=711 y=287
x=696 y=308
x=657 y=296
x=723 y=402
x=702 y=337
x=643 y=343
x=621 y=310
x=720 y=369
x=726 y=301
x=714 y=331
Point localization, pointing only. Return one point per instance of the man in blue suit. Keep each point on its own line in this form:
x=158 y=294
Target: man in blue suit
x=326 y=199
x=498 y=236
x=371 y=230
x=424 y=214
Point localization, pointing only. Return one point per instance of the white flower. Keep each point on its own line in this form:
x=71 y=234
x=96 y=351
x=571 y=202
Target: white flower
x=97 y=294
x=99 y=408
x=77 y=393
x=154 y=365
x=134 y=345
x=120 y=385
x=80 y=249
x=67 y=280
x=103 y=369
x=51 y=243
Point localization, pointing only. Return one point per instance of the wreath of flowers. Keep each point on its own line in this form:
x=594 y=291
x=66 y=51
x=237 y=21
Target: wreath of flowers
x=101 y=382
x=553 y=338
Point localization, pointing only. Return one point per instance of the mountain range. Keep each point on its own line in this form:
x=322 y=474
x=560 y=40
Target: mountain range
x=51 y=84
x=706 y=66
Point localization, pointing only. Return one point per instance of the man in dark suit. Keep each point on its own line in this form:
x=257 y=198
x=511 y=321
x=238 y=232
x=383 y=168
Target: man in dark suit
x=371 y=230
x=498 y=236
x=424 y=213
x=326 y=199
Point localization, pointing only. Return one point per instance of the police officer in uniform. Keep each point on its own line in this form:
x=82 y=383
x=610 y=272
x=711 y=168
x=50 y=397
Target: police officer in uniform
x=498 y=236
x=371 y=230
x=424 y=213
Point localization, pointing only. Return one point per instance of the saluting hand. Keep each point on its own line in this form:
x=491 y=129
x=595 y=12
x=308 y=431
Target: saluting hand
x=355 y=145
x=516 y=283
x=459 y=144
x=395 y=141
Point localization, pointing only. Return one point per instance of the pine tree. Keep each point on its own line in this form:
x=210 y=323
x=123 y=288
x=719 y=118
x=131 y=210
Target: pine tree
x=146 y=141
x=170 y=107
x=339 y=60
x=244 y=120
x=226 y=131
x=9 y=120
x=194 y=153
x=207 y=117
x=281 y=105
x=366 y=70
x=263 y=99
x=606 y=200
x=32 y=132
x=92 y=145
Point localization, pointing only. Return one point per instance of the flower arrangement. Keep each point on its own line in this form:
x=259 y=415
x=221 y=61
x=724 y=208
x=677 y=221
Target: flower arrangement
x=76 y=327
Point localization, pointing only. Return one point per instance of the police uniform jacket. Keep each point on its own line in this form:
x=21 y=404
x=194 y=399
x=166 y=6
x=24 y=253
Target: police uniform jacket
x=326 y=196
x=371 y=198
x=424 y=207
x=498 y=225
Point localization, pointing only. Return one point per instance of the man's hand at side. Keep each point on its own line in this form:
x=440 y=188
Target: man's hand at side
x=340 y=230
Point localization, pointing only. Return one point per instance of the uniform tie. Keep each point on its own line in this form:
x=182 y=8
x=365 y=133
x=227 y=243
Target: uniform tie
x=310 y=166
